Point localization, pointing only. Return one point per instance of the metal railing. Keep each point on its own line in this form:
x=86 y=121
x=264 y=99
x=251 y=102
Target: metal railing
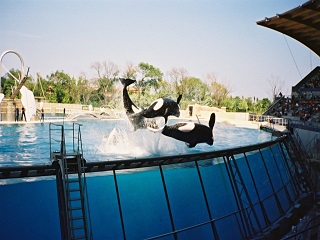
x=246 y=227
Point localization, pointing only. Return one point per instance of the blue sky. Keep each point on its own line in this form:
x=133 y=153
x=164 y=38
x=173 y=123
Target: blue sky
x=202 y=36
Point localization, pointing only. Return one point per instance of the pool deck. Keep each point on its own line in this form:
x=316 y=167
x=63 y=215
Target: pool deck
x=31 y=122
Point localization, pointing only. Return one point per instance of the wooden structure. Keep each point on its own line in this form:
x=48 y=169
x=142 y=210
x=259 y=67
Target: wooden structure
x=301 y=23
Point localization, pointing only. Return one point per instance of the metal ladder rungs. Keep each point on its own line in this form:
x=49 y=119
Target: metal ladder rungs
x=75 y=209
x=74 y=190
x=72 y=180
x=74 y=199
x=78 y=228
x=72 y=164
x=77 y=218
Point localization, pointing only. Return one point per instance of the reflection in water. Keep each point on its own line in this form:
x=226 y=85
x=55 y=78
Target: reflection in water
x=27 y=143
x=27 y=134
x=21 y=143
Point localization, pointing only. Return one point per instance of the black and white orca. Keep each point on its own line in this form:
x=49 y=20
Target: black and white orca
x=191 y=133
x=134 y=113
x=129 y=106
x=163 y=107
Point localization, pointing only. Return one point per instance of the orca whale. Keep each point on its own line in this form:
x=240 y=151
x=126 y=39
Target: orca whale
x=163 y=107
x=191 y=133
x=134 y=113
x=129 y=106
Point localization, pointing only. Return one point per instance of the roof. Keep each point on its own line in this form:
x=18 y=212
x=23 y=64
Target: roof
x=301 y=23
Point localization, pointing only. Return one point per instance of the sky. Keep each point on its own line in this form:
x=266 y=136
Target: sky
x=217 y=37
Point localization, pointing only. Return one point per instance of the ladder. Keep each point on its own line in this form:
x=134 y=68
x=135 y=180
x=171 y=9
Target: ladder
x=71 y=184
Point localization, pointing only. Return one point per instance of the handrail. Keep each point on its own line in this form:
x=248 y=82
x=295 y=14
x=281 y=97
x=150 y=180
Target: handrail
x=83 y=184
x=268 y=118
x=57 y=138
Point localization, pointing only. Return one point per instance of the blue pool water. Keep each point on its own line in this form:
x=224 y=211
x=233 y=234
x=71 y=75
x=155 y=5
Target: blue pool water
x=151 y=201
x=27 y=144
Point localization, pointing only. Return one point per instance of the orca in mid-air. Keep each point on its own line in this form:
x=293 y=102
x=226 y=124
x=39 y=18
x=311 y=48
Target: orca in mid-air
x=191 y=133
x=163 y=107
x=134 y=113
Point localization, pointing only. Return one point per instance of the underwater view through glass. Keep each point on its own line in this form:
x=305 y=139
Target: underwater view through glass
x=154 y=201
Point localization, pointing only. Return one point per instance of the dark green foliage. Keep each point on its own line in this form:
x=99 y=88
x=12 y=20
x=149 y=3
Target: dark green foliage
x=59 y=87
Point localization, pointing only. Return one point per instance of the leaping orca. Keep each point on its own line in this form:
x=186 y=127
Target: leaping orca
x=163 y=107
x=191 y=133
x=134 y=113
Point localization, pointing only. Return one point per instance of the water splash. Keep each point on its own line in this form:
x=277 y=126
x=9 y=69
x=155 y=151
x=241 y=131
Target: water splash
x=140 y=143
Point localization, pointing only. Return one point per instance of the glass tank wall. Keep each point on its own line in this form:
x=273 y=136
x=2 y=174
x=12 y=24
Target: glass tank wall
x=230 y=194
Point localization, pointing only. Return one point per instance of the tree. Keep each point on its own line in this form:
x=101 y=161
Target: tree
x=130 y=71
x=8 y=81
x=193 y=89
x=150 y=76
x=262 y=105
x=276 y=86
x=85 y=89
x=165 y=90
x=147 y=84
x=176 y=75
x=40 y=86
x=64 y=88
x=243 y=105
x=218 y=91
x=107 y=75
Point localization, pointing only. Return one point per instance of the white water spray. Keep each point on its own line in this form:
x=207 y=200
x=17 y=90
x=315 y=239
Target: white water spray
x=140 y=143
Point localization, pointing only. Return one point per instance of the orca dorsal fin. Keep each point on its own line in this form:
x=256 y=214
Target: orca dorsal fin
x=198 y=119
x=179 y=98
x=212 y=120
x=165 y=119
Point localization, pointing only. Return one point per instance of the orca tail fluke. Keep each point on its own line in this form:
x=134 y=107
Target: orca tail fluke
x=212 y=120
x=179 y=99
x=126 y=81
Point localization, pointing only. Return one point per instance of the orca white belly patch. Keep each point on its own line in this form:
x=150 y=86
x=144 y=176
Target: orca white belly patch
x=187 y=127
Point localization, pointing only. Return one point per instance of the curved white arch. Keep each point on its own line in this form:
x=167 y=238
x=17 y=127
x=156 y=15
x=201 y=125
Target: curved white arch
x=21 y=60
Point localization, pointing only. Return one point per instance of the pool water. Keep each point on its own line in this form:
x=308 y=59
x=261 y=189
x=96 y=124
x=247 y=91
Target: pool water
x=141 y=203
x=28 y=144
